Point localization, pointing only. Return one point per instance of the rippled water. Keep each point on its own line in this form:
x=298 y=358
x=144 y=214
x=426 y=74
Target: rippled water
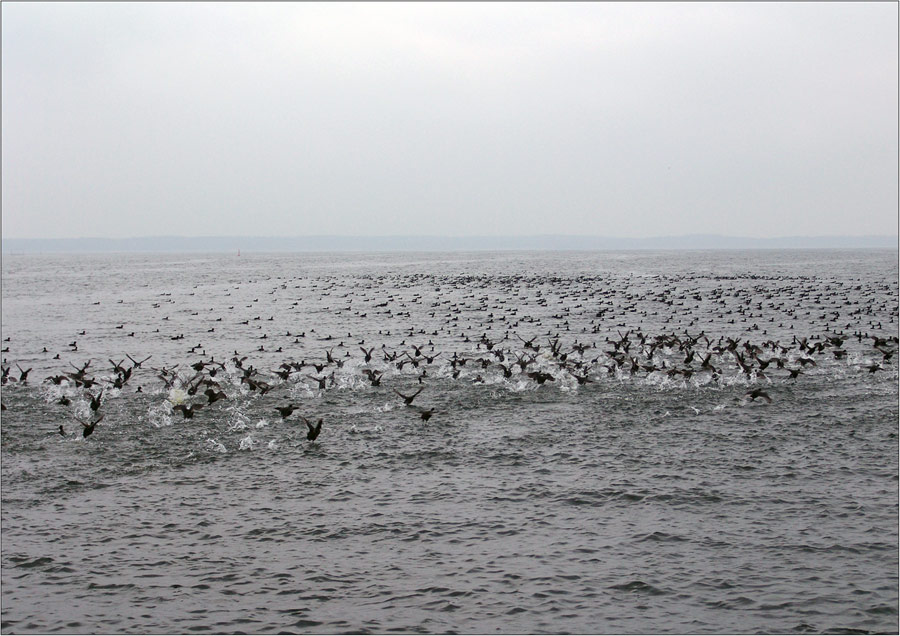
x=645 y=501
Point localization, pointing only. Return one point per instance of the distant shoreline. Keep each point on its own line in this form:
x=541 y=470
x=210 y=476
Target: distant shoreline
x=181 y=244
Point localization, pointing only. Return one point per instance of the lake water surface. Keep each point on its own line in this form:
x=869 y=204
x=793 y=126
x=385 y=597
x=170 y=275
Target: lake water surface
x=582 y=470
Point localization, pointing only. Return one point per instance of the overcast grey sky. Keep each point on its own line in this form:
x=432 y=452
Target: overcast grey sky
x=629 y=120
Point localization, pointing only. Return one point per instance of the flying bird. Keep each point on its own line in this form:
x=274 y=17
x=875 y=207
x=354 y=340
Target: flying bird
x=408 y=399
x=187 y=411
x=285 y=410
x=88 y=427
x=313 y=430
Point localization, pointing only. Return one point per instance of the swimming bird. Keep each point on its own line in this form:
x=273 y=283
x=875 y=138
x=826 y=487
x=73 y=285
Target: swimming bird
x=758 y=393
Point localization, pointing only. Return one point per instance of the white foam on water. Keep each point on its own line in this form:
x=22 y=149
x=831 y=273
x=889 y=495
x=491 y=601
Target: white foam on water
x=238 y=424
x=160 y=416
x=356 y=430
x=52 y=392
x=528 y=385
x=81 y=409
x=248 y=443
x=177 y=396
x=737 y=380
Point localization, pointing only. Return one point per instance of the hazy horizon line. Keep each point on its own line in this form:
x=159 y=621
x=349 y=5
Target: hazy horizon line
x=449 y=236
x=437 y=243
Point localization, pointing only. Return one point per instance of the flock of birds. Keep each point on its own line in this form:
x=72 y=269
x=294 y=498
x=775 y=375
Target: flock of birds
x=477 y=329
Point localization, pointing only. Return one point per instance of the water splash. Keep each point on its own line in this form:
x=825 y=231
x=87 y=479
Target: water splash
x=248 y=443
x=177 y=396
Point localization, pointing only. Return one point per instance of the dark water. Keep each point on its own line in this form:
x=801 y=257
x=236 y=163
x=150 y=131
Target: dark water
x=658 y=500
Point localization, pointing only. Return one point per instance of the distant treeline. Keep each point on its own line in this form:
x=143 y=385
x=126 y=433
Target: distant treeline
x=433 y=243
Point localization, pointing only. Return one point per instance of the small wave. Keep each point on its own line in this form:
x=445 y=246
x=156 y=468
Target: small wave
x=110 y=586
x=882 y=610
x=35 y=563
x=305 y=623
x=661 y=537
x=639 y=587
